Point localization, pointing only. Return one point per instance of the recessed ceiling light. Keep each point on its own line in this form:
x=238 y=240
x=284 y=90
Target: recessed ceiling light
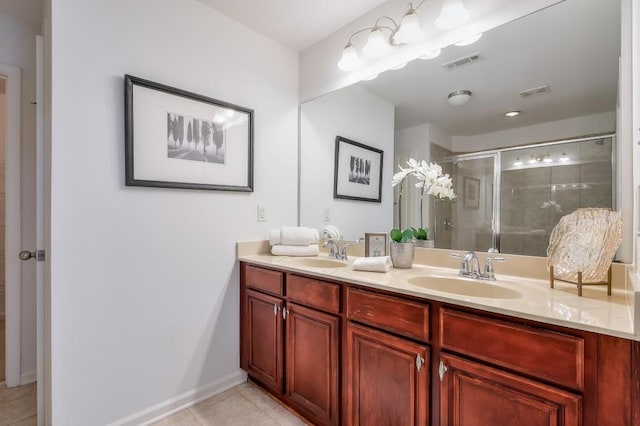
x=468 y=41
x=512 y=113
x=432 y=54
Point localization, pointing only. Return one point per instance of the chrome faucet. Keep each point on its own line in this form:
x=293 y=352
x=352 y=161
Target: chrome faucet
x=470 y=266
x=337 y=249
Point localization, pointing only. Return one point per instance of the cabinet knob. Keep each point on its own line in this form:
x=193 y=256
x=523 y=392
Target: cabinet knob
x=442 y=369
x=276 y=308
x=419 y=362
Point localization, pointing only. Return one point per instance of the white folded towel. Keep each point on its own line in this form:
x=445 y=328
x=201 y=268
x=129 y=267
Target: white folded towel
x=372 y=264
x=294 y=236
x=330 y=232
x=286 y=250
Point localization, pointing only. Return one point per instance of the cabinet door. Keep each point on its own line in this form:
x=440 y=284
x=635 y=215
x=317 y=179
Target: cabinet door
x=387 y=379
x=263 y=339
x=474 y=394
x=312 y=363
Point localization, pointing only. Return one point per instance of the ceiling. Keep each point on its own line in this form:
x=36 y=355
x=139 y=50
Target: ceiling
x=572 y=46
x=297 y=24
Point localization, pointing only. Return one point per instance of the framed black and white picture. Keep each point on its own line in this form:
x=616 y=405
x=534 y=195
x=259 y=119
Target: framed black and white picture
x=358 y=171
x=375 y=244
x=179 y=139
x=471 y=192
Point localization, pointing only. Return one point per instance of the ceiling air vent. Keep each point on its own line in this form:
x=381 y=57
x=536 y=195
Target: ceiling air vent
x=541 y=90
x=463 y=62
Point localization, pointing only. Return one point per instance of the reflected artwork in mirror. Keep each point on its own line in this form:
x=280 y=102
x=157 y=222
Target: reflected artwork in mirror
x=557 y=67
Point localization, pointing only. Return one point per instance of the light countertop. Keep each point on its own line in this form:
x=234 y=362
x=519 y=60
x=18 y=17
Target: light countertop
x=525 y=279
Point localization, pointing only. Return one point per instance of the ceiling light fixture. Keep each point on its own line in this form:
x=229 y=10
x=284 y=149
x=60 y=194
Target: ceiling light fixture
x=512 y=113
x=459 y=97
x=387 y=33
x=431 y=55
x=453 y=14
x=469 y=40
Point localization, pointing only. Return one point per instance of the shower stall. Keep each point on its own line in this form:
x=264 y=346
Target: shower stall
x=510 y=199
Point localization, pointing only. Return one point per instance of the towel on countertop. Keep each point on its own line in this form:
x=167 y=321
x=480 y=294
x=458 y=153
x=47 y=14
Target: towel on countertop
x=330 y=232
x=372 y=264
x=288 y=250
x=294 y=236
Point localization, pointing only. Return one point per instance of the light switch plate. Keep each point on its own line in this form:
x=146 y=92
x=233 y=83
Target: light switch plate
x=262 y=213
x=326 y=214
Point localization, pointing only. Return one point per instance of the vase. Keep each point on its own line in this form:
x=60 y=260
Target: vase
x=402 y=254
x=424 y=243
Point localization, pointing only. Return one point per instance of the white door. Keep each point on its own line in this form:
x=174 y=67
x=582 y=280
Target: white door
x=37 y=254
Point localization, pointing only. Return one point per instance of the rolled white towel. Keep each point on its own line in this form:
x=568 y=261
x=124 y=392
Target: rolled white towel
x=294 y=236
x=286 y=250
x=372 y=264
x=331 y=232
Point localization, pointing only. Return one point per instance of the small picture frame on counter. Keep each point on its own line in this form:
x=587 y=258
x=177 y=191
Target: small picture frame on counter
x=375 y=244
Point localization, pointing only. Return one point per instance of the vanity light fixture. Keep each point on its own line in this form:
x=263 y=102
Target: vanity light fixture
x=459 y=97
x=532 y=160
x=517 y=163
x=399 y=67
x=387 y=33
x=563 y=158
x=547 y=159
x=469 y=40
x=512 y=113
x=371 y=77
x=431 y=55
x=453 y=14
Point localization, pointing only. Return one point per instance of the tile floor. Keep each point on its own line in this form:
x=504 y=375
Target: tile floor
x=18 y=405
x=242 y=405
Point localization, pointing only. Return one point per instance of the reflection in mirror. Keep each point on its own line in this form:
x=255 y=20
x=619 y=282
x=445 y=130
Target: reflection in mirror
x=558 y=67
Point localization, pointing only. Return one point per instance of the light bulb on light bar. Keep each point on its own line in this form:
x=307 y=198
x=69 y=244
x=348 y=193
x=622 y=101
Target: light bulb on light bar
x=452 y=14
x=469 y=40
x=377 y=44
x=350 y=59
x=431 y=55
x=512 y=113
x=409 y=31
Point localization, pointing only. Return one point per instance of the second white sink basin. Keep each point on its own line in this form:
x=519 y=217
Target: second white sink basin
x=465 y=287
x=314 y=262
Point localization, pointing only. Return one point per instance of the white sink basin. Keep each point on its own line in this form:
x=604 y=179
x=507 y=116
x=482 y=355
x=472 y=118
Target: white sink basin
x=465 y=287
x=313 y=262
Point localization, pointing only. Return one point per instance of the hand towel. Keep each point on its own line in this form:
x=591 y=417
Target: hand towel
x=372 y=264
x=298 y=236
x=285 y=250
x=330 y=232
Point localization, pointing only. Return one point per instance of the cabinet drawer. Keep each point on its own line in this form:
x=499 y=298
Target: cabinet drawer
x=314 y=293
x=555 y=357
x=390 y=313
x=265 y=280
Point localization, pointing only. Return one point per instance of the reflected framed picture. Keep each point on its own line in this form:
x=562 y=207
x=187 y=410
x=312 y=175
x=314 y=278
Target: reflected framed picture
x=179 y=139
x=471 y=192
x=375 y=244
x=357 y=172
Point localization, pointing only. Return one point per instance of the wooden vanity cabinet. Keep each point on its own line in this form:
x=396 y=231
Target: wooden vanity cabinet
x=290 y=342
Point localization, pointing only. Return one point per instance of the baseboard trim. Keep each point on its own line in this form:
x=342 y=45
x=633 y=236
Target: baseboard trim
x=165 y=409
x=28 y=377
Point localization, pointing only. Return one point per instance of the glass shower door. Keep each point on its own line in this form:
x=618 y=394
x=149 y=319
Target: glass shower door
x=469 y=223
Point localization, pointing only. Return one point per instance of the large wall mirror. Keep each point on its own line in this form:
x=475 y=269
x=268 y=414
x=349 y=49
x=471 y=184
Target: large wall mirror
x=514 y=176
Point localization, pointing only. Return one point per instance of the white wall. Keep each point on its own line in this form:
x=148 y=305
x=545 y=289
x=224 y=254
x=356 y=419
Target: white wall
x=550 y=131
x=144 y=283
x=17 y=48
x=355 y=114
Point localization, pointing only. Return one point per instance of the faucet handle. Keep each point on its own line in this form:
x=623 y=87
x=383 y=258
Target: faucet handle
x=488 y=267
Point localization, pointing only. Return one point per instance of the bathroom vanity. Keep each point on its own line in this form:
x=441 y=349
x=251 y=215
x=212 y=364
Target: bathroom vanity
x=346 y=347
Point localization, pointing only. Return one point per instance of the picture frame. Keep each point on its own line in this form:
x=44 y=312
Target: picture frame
x=357 y=171
x=471 y=192
x=375 y=244
x=179 y=139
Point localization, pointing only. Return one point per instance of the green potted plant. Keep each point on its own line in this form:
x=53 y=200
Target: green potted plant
x=401 y=248
x=421 y=236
